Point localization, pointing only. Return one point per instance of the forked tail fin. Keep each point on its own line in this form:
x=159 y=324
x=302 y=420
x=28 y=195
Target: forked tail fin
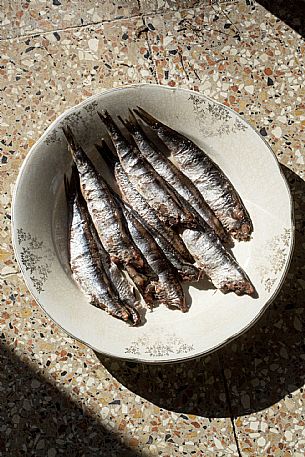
x=108 y=155
x=70 y=137
x=147 y=118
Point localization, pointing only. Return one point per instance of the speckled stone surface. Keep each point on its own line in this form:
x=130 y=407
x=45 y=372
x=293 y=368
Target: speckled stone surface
x=57 y=397
x=265 y=367
x=26 y=17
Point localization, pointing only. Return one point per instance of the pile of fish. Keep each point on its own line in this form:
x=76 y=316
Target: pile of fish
x=169 y=221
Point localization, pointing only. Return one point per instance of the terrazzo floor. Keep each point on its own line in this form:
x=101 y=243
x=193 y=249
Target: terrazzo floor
x=57 y=397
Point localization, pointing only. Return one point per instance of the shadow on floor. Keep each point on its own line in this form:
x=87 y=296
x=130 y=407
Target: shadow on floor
x=255 y=371
x=291 y=12
x=36 y=419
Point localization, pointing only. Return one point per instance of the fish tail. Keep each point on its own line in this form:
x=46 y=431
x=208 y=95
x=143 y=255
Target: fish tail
x=75 y=178
x=109 y=150
x=72 y=184
x=133 y=120
x=67 y=188
x=108 y=121
x=73 y=146
x=116 y=135
x=76 y=151
x=108 y=155
x=130 y=124
x=146 y=117
x=104 y=115
x=131 y=128
x=69 y=137
x=126 y=123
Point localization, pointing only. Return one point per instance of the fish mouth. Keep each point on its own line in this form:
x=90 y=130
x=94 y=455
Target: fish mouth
x=121 y=314
x=162 y=298
x=189 y=276
x=134 y=315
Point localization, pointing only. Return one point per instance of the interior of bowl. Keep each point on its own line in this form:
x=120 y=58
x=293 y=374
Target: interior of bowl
x=40 y=227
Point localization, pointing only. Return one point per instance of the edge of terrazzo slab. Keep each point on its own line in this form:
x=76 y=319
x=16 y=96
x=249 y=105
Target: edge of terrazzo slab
x=26 y=18
x=143 y=10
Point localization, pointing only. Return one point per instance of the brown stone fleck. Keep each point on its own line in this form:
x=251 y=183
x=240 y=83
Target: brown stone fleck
x=133 y=442
x=268 y=71
x=195 y=424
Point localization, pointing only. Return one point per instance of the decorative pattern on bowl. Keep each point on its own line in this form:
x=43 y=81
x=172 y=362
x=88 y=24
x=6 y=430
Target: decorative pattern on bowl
x=162 y=347
x=275 y=258
x=35 y=259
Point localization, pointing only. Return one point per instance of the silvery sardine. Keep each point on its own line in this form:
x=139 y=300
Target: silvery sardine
x=148 y=183
x=84 y=258
x=118 y=280
x=217 y=263
x=206 y=175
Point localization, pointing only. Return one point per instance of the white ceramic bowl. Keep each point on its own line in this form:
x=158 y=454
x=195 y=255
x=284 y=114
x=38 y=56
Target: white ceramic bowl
x=40 y=227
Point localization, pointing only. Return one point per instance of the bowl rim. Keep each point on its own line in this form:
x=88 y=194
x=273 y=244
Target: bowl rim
x=173 y=89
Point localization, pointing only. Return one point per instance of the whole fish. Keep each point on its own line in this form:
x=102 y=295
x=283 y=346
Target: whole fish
x=147 y=182
x=167 y=289
x=118 y=280
x=169 y=241
x=172 y=175
x=209 y=179
x=108 y=219
x=217 y=263
x=84 y=257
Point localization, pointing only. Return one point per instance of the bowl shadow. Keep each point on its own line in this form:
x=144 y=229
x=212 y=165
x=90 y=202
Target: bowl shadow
x=253 y=372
